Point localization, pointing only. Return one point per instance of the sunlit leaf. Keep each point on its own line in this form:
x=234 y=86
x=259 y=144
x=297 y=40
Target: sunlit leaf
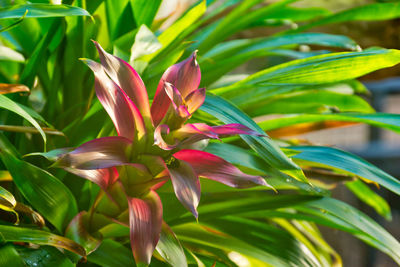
x=41 y=11
x=329 y=68
x=20 y=234
x=374 y=12
x=169 y=247
x=302 y=128
x=10 y=105
x=269 y=151
x=357 y=223
x=365 y=194
x=8 y=54
x=346 y=162
x=383 y=120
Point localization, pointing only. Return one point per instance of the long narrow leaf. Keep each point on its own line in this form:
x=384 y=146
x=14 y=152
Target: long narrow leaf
x=10 y=105
x=321 y=69
x=41 y=11
x=42 y=190
x=348 y=163
x=269 y=151
x=19 y=234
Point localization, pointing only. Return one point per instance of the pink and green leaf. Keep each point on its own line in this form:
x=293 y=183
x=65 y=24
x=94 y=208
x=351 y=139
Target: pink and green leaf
x=215 y=168
x=127 y=78
x=145 y=220
x=163 y=129
x=99 y=153
x=102 y=177
x=185 y=76
x=186 y=184
x=195 y=99
x=123 y=112
x=77 y=231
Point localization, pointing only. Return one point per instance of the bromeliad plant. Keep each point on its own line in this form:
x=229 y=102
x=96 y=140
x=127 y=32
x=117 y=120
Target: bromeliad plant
x=156 y=153
x=153 y=145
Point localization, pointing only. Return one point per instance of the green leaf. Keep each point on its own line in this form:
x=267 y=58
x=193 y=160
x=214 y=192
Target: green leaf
x=223 y=50
x=119 y=18
x=180 y=29
x=383 y=120
x=346 y=162
x=112 y=254
x=339 y=215
x=228 y=55
x=228 y=203
x=44 y=256
x=169 y=247
x=77 y=231
x=8 y=197
x=374 y=12
x=296 y=14
x=267 y=149
x=10 y=105
x=20 y=234
x=145 y=43
x=310 y=101
x=267 y=237
x=14 y=24
x=196 y=235
x=10 y=257
x=144 y=11
x=358 y=224
x=239 y=18
x=329 y=68
x=41 y=11
x=42 y=190
x=52 y=155
x=8 y=54
x=366 y=195
x=314 y=248
x=28 y=74
x=249 y=159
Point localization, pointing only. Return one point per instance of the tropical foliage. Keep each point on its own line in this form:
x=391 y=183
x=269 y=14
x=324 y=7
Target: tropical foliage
x=167 y=105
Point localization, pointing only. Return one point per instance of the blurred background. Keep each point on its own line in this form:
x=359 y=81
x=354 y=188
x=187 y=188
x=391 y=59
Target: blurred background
x=378 y=146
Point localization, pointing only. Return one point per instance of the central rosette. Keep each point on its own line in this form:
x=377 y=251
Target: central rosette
x=154 y=145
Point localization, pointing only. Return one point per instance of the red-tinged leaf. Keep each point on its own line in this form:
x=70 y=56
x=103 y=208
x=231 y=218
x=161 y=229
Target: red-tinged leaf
x=127 y=78
x=176 y=100
x=77 y=231
x=212 y=167
x=145 y=220
x=118 y=105
x=102 y=177
x=186 y=184
x=173 y=94
x=195 y=132
x=195 y=99
x=159 y=140
x=185 y=76
x=196 y=128
x=99 y=153
x=234 y=128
